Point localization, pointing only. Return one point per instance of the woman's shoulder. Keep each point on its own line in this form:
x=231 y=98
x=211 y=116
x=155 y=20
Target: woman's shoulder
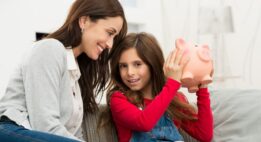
x=46 y=52
x=48 y=48
x=49 y=44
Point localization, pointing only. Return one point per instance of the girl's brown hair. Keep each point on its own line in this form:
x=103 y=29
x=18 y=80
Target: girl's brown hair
x=94 y=74
x=150 y=52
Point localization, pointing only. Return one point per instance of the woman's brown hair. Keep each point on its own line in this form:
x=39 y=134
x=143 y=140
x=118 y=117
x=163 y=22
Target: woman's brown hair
x=150 y=52
x=94 y=73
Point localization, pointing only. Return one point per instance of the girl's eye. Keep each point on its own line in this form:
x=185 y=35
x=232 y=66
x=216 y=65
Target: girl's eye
x=137 y=64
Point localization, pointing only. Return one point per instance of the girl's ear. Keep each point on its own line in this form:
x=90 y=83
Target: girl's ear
x=83 y=21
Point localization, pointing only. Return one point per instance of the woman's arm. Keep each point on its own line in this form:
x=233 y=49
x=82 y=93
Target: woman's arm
x=42 y=75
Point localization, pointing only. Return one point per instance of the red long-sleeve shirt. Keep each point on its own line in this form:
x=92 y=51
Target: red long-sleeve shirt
x=128 y=117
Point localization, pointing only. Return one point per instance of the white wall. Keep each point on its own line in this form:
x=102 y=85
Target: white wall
x=166 y=19
x=20 y=20
x=241 y=57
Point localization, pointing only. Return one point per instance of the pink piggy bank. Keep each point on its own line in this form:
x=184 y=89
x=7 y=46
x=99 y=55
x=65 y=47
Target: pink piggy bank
x=198 y=69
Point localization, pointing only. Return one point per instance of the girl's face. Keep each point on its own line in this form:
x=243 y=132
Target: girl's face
x=99 y=35
x=134 y=72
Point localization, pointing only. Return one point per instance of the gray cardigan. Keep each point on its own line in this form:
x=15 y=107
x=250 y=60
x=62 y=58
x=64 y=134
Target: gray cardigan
x=39 y=93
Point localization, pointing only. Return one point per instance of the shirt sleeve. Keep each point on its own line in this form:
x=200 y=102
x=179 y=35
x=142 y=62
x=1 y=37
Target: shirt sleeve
x=42 y=75
x=128 y=115
x=202 y=129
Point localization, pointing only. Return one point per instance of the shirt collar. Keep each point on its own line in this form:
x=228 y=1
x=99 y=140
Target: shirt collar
x=72 y=65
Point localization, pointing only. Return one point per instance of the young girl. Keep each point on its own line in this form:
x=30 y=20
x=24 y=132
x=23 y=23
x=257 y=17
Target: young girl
x=145 y=104
x=56 y=83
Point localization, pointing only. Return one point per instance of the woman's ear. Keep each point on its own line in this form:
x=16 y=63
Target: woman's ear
x=83 y=21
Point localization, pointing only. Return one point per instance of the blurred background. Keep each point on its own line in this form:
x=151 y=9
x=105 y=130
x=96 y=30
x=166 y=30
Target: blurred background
x=231 y=28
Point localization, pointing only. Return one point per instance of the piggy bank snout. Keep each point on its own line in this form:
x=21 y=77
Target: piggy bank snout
x=204 y=53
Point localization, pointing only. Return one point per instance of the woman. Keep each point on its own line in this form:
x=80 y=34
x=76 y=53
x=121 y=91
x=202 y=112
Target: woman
x=57 y=82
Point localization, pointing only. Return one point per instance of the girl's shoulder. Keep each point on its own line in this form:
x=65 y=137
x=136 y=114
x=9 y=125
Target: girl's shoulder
x=117 y=94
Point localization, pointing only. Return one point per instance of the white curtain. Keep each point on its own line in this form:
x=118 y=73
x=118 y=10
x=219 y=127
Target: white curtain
x=241 y=49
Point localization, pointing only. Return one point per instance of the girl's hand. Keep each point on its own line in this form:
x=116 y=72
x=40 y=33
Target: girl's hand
x=173 y=66
x=211 y=74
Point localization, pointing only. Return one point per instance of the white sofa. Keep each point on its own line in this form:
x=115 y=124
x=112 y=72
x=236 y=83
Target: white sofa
x=237 y=118
x=108 y=134
x=237 y=115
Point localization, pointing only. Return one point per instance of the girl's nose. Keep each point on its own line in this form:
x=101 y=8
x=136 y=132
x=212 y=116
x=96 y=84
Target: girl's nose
x=130 y=71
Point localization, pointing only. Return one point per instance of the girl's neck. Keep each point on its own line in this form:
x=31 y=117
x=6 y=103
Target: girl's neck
x=147 y=92
x=147 y=95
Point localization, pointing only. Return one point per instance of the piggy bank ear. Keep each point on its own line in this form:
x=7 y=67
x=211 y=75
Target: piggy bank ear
x=180 y=43
x=204 y=53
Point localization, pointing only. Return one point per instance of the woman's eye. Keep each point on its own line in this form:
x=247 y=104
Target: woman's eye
x=110 y=33
x=122 y=66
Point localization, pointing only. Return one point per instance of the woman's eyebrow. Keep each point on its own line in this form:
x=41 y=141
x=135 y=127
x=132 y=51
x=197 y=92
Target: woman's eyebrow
x=113 y=30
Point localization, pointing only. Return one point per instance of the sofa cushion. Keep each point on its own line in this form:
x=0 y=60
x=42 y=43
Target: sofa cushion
x=237 y=115
x=92 y=134
x=108 y=134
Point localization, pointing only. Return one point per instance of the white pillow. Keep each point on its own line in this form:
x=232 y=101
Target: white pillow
x=237 y=115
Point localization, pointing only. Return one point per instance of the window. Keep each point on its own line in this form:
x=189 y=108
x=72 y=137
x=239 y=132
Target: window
x=129 y=3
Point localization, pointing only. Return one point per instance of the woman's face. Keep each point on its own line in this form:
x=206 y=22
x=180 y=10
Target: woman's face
x=99 y=35
x=134 y=72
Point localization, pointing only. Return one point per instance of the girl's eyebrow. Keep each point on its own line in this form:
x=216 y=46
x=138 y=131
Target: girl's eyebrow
x=135 y=61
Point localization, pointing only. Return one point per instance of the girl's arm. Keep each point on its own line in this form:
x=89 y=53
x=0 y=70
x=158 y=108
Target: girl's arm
x=202 y=129
x=130 y=116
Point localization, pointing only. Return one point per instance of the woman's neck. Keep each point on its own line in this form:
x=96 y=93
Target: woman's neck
x=77 y=51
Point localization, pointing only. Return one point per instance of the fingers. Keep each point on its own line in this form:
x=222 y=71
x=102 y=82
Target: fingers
x=169 y=57
x=184 y=63
x=173 y=65
x=173 y=56
x=180 y=45
x=179 y=54
x=167 y=62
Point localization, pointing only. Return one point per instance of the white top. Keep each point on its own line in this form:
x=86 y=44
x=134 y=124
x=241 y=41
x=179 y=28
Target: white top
x=43 y=93
x=75 y=121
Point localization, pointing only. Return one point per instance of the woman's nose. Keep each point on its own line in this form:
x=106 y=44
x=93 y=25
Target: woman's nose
x=109 y=43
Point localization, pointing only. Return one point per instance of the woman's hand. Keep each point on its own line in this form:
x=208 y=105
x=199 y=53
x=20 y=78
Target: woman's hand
x=173 y=66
